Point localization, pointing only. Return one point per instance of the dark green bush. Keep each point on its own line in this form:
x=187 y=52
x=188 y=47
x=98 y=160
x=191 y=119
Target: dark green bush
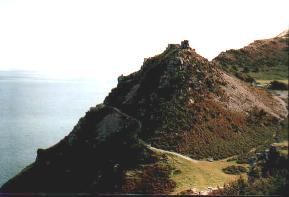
x=277 y=85
x=234 y=169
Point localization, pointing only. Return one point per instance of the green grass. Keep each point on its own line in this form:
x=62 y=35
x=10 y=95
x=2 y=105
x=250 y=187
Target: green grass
x=275 y=73
x=284 y=153
x=199 y=174
x=283 y=147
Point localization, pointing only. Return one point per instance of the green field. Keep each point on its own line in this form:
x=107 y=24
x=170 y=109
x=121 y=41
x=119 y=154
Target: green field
x=279 y=72
x=200 y=174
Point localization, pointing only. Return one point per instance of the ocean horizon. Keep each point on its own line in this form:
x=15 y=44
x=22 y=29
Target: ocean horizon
x=36 y=111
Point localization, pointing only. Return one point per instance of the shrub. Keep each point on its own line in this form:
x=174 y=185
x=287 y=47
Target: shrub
x=276 y=85
x=269 y=177
x=234 y=169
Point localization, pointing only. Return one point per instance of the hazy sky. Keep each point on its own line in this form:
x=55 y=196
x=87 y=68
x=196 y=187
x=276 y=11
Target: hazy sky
x=108 y=38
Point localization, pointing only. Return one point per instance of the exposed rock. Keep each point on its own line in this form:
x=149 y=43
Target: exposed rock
x=93 y=157
x=172 y=47
x=120 y=78
x=185 y=44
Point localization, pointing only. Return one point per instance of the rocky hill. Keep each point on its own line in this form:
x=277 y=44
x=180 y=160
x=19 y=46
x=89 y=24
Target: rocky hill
x=178 y=101
x=263 y=59
x=189 y=105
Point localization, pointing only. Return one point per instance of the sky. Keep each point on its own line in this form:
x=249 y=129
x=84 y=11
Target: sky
x=104 y=39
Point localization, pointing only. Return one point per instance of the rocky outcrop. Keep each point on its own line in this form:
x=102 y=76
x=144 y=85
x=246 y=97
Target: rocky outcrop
x=191 y=106
x=92 y=158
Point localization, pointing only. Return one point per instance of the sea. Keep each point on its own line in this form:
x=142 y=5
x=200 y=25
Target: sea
x=38 y=110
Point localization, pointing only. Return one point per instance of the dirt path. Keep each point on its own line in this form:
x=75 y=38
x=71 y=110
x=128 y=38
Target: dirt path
x=172 y=153
x=199 y=175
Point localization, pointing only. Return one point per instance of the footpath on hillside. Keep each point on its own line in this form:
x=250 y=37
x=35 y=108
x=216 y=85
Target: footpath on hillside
x=197 y=176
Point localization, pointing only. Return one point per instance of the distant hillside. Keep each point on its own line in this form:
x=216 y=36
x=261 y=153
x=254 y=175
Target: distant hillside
x=262 y=60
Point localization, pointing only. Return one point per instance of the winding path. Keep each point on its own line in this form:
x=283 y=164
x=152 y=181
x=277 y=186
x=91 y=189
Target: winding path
x=172 y=153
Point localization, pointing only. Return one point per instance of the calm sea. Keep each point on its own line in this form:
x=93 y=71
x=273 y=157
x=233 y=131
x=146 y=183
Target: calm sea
x=37 y=111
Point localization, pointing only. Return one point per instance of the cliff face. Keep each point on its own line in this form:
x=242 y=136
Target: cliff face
x=177 y=101
x=93 y=157
x=263 y=59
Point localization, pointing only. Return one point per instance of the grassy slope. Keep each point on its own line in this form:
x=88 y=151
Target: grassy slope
x=263 y=59
x=278 y=72
x=283 y=146
x=197 y=174
x=200 y=174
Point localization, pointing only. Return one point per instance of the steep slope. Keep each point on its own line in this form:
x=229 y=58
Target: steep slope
x=94 y=157
x=263 y=59
x=189 y=105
